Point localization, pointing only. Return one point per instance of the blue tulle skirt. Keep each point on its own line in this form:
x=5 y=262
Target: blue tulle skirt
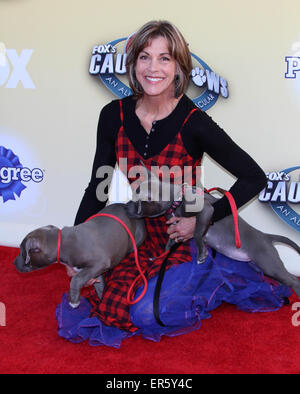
x=189 y=292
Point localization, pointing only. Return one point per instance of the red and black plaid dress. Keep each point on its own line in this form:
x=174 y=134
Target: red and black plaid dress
x=113 y=309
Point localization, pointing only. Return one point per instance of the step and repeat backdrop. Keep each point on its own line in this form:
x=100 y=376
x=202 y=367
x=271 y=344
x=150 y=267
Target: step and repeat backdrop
x=61 y=62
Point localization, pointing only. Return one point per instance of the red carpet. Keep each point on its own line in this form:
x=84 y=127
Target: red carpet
x=230 y=342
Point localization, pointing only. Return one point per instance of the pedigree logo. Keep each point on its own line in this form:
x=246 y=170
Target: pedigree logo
x=13 y=68
x=108 y=62
x=13 y=176
x=281 y=192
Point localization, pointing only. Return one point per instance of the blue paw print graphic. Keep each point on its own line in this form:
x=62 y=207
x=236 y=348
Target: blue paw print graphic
x=9 y=163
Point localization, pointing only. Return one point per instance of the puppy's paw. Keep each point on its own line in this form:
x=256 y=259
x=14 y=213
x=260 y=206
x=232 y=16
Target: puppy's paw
x=74 y=306
x=202 y=258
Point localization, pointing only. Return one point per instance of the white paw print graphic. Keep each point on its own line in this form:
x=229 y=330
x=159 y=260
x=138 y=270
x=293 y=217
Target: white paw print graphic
x=198 y=76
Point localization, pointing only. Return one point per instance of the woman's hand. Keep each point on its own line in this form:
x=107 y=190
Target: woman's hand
x=91 y=282
x=181 y=229
x=72 y=273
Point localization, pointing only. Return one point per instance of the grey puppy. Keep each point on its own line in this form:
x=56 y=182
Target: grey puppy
x=89 y=249
x=256 y=246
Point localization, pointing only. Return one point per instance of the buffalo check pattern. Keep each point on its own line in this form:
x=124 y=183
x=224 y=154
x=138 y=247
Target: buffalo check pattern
x=113 y=309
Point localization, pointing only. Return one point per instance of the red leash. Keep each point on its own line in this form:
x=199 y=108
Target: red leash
x=237 y=241
x=234 y=213
x=135 y=257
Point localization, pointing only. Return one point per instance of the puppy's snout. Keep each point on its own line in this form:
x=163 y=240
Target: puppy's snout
x=19 y=264
x=132 y=209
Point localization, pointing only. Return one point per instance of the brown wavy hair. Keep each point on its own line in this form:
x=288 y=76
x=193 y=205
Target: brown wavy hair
x=178 y=49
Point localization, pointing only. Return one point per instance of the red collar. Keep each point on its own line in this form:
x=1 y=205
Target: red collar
x=58 y=246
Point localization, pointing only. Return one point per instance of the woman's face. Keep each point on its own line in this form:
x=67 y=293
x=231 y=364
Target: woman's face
x=155 y=69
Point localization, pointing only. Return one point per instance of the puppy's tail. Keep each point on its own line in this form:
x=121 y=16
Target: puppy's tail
x=284 y=240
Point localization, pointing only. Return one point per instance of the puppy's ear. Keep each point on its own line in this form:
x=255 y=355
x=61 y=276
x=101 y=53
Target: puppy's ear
x=31 y=245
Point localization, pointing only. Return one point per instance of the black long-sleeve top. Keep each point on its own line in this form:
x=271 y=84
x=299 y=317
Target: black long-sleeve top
x=200 y=134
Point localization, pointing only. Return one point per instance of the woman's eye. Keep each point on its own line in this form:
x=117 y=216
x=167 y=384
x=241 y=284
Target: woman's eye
x=143 y=57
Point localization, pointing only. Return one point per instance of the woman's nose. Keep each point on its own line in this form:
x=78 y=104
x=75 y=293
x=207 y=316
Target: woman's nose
x=153 y=65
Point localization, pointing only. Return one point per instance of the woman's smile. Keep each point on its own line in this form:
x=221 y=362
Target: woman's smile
x=154 y=79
